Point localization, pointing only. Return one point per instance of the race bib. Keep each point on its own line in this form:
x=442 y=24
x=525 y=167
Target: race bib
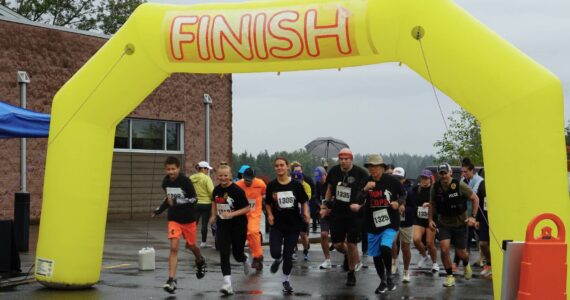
x=403 y=217
x=222 y=208
x=423 y=212
x=381 y=218
x=251 y=203
x=485 y=204
x=343 y=193
x=174 y=193
x=285 y=199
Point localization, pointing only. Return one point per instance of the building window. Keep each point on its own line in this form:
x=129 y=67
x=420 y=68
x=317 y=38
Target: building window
x=138 y=135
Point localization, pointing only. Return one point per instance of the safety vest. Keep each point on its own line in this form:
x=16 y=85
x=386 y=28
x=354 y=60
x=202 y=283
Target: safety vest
x=449 y=203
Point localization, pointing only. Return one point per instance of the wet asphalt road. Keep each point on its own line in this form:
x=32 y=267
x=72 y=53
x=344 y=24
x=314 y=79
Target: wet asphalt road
x=121 y=279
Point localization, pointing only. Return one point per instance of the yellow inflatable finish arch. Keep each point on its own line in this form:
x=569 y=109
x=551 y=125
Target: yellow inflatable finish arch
x=518 y=102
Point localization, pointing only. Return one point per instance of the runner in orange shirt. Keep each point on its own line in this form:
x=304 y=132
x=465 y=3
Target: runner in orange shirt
x=254 y=191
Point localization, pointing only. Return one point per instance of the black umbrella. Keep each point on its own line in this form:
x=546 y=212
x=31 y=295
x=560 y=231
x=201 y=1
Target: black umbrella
x=325 y=146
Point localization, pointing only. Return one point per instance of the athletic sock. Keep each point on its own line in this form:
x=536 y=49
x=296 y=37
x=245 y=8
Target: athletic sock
x=379 y=264
x=285 y=277
x=228 y=279
x=465 y=262
x=449 y=271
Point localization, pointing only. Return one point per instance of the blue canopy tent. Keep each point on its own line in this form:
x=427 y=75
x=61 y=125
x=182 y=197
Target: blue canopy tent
x=17 y=122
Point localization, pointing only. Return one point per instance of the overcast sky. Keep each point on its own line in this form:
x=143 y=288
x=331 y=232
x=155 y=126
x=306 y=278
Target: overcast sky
x=285 y=112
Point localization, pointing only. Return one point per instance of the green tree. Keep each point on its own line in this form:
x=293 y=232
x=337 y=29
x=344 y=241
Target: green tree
x=462 y=139
x=103 y=16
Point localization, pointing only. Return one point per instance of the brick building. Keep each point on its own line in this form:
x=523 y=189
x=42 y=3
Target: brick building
x=169 y=122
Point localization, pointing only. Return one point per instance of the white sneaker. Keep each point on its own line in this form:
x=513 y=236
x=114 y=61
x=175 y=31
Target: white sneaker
x=394 y=266
x=326 y=264
x=227 y=289
x=246 y=264
x=422 y=262
x=203 y=245
x=358 y=266
x=435 y=268
x=406 y=277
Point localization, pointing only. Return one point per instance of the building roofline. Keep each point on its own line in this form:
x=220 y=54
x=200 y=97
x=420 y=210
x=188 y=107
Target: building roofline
x=25 y=21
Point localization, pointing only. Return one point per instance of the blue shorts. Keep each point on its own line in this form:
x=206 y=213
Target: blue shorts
x=377 y=240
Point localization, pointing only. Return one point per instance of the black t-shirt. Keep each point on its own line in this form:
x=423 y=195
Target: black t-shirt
x=410 y=213
x=482 y=194
x=230 y=199
x=183 y=194
x=345 y=189
x=285 y=201
x=379 y=214
x=420 y=196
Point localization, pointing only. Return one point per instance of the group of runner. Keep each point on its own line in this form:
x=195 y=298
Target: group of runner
x=381 y=200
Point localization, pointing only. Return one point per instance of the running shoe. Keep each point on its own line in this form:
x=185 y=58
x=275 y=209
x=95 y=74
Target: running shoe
x=287 y=288
x=306 y=254
x=170 y=286
x=358 y=266
x=382 y=288
x=486 y=271
x=255 y=263
x=246 y=264
x=294 y=256
x=422 y=262
x=345 y=263
x=406 y=277
x=351 y=279
x=203 y=245
x=390 y=284
x=435 y=268
x=227 y=289
x=449 y=281
x=467 y=272
x=326 y=264
x=275 y=265
x=201 y=268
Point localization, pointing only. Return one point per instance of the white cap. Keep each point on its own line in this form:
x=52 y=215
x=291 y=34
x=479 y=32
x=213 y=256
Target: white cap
x=399 y=172
x=204 y=164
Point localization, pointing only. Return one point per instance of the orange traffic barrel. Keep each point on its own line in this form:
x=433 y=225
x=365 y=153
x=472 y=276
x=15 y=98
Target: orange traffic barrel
x=543 y=265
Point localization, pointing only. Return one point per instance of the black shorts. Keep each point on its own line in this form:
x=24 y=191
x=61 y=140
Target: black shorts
x=483 y=231
x=345 y=229
x=304 y=227
x=421 y=222
x=458 y=235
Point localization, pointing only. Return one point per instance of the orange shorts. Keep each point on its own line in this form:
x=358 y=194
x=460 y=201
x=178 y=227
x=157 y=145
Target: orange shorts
x=188 y=230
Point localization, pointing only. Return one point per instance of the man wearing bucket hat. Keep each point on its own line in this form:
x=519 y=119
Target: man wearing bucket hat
x=381 y=195
x=343 y=188
x=448 y=213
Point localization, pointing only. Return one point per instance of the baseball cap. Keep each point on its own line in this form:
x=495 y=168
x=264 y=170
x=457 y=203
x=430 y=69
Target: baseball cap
x=319 y=173
x=243 y=168
x=345 y=152
x=444 y=167
x=399 y=173
x=374 y=160
x=248 y=174
x=204 y=164
x=426 y=173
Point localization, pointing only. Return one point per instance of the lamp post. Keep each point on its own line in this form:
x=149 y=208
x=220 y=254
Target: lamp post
x=22 y=198
x=207 y=104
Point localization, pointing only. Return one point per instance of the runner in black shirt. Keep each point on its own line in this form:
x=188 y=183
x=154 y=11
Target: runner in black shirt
x=285 y=200
x=382 y=195
x=343 y=189
x=229 y=207
x=420 y=195
x=180 y=200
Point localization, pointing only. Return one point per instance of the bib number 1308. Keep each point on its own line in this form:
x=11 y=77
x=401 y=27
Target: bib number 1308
x=381 y=218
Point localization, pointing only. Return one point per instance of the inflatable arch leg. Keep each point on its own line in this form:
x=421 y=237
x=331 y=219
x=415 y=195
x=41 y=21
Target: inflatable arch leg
x=518 y=102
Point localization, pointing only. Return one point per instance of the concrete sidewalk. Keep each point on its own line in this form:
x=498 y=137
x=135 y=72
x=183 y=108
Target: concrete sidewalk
x=121 y=279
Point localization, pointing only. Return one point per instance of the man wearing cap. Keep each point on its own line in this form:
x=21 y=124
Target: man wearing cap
x=254 y=189
x=343 y=188
x=204 y=188
x=448 y=213
x=381 y=195
x=407 y=218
